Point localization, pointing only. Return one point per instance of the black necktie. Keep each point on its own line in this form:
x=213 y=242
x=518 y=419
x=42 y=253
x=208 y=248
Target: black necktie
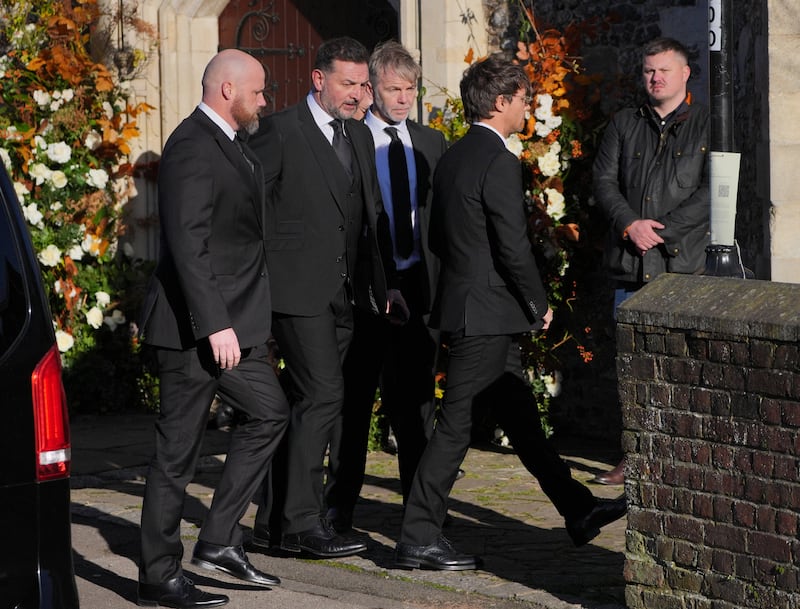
x=238 y=143
x=401 y=195
x=341 y=145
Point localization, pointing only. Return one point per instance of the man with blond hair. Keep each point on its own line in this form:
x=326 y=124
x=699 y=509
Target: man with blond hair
x=396 y=353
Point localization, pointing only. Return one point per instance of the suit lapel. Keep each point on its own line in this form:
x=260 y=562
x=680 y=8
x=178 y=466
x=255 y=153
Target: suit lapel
x=326 y=158
x=254 y=177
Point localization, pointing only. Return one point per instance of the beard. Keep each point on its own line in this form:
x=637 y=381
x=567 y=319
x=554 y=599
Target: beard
x=247 y=121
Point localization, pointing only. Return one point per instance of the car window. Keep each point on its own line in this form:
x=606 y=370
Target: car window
x=13 y=296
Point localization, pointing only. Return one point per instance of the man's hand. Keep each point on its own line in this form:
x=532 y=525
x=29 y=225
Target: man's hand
x=548 y=317
x=396 y=307
x=225 y=347
x=643 y=235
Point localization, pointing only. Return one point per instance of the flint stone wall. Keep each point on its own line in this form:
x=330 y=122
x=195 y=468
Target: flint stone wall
x=709 y=381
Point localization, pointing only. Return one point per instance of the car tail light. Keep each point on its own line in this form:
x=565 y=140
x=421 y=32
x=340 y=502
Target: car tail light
x=50 y=418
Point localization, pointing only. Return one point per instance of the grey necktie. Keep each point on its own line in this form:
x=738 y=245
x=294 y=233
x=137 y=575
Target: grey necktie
x=342 y=146
x=238 y=143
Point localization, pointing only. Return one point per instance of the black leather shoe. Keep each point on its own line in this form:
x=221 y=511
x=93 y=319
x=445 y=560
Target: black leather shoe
x=322 y=541
x=178 y=592
x=440 y=555
x=231 y=560
x=341 y=521
x=262 y=537
x=605 y=511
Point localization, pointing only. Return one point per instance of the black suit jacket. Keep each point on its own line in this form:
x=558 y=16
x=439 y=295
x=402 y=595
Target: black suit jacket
x=308 y=252
x=489 y=283
x=212 y=271
x=429 y=145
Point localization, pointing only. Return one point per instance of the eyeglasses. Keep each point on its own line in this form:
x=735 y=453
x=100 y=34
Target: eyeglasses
x=527 y=99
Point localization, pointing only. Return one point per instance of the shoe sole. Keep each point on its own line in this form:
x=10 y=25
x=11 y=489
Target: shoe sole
x=303 y=549
x=212 y=567
x=408 y=563
x=260 y=543
x=146 y=603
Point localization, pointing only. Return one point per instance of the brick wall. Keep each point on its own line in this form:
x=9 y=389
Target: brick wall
x=709 y=381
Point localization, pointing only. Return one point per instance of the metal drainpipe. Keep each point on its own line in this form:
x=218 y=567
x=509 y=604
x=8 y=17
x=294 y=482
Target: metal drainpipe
x=722 y=255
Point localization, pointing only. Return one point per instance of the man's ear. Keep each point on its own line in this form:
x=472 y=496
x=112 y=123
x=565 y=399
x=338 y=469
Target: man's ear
x=500 y=103
x=317 y=79
x=226 y=88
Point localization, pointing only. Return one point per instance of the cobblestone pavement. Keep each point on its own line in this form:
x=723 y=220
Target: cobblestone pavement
x=497 y=510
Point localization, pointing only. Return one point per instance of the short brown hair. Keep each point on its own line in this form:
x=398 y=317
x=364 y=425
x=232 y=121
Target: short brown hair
x=484 y=80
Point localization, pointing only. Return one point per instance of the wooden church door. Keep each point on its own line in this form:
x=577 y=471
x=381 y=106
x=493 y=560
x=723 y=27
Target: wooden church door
x=285 y=34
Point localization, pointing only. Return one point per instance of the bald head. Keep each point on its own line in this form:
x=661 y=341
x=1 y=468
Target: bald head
x=233 y=86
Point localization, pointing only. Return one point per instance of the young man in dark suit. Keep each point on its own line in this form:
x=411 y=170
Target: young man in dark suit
x=396 y=352
x=324 y=217
x=489 y=292
x=206 y=318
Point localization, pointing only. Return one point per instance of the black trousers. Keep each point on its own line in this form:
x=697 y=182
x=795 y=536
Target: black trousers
x=189 y=380
x=486 y=367
x=313 y=349
x=399 y=358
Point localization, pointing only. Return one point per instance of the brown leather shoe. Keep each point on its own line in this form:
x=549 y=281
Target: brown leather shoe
x=614 y=477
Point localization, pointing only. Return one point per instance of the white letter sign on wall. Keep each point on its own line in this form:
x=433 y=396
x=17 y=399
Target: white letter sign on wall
x=714 y=25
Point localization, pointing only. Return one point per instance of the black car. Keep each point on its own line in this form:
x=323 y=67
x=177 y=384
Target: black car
x=36 y=568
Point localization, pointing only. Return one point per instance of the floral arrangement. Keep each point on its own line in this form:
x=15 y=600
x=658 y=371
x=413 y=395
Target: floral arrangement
x=65 y=133
x=551 y=145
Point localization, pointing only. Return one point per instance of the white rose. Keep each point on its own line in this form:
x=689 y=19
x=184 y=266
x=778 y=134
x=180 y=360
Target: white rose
x=67 y=94
x=75 y=252
x=32 y=214
x=555 y=203
x=57 y=286
x=5 y=156
x=103 y=299
x=64 y=341
x=56 y=206
x=55 y=105
x=94 y=317
x=514 y=144
x=58 y=179
x=21 y=190
x=42 y=98
x=39 y=172
x=39 y=143
x=97 y=178
x=59 y=152
x=117 y=318
x=108 y=110
x=50 y=256
x=93 y=140
x=549 y=164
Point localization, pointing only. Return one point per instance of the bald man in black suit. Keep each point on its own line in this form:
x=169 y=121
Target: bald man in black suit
x=206 y=320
